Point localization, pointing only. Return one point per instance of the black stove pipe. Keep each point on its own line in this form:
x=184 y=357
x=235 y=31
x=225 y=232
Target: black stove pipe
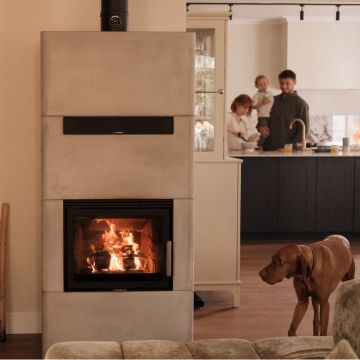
x=114 y=14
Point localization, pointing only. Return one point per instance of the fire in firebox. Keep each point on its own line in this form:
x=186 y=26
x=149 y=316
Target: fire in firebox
x=118 y=245
x=118 y=252
x=114 y=246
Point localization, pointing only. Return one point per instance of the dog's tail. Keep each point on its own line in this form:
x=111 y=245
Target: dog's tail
x=351 y=273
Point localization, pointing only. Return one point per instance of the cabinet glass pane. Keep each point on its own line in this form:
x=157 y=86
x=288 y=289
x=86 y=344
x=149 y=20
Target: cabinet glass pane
x=204 y=89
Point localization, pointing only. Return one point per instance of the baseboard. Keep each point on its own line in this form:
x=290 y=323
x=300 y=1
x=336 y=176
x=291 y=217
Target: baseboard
x=23 y=323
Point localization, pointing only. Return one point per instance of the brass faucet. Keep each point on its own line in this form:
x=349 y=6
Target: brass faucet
x=303 y=145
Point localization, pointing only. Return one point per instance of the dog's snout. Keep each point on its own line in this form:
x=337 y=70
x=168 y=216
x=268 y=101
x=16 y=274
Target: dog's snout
x=262 y=273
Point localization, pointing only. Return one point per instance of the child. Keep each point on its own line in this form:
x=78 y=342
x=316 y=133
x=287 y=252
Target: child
x=263 y=101
x=237 y=121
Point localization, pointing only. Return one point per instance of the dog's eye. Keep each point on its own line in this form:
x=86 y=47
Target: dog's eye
x=280 y=262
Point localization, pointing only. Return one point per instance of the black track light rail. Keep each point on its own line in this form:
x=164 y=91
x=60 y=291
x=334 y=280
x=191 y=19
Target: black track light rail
x=271 y=4
x=301 y=4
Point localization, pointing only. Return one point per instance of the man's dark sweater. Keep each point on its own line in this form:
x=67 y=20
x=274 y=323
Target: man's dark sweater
x=286 y=108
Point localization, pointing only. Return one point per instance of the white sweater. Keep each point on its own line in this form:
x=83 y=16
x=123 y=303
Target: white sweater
x=235 y=126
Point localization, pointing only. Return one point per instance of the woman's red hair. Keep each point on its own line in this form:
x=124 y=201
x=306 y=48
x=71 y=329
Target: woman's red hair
x=242 y=100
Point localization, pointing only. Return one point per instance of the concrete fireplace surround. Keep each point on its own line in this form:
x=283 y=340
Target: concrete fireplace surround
x=97 y=73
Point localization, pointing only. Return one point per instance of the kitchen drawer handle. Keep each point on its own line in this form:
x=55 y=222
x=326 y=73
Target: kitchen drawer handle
x=220 y=91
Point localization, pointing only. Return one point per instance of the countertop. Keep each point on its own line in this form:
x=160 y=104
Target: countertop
x=308 y=153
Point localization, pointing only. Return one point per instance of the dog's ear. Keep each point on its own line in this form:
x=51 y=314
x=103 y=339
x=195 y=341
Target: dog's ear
x=304 y=264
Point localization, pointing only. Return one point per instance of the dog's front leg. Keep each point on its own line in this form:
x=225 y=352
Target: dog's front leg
x=301 y=306
x=324 y=316
x=300 y=310
x=316 y=321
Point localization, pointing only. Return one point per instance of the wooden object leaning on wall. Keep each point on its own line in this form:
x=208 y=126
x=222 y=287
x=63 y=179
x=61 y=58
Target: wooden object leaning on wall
x=3 y=238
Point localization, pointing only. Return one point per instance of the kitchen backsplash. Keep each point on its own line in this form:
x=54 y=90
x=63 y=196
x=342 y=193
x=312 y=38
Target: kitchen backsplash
x=332 y=128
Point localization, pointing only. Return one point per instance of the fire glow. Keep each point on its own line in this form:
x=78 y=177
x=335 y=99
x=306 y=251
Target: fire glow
x=119 y=251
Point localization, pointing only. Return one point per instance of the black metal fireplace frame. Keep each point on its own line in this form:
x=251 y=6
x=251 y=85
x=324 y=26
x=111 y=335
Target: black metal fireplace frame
x=162 y=208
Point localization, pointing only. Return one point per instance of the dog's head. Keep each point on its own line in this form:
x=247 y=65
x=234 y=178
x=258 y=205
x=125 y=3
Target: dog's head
x=286 y=262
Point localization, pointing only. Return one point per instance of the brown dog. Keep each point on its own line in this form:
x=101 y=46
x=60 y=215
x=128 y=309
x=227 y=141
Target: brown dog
x=317 y=269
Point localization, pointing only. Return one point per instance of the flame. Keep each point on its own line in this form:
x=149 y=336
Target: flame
x=116 y=263
x=110 y=238
x=121 y=247
x=129 y=240
x=91 y=264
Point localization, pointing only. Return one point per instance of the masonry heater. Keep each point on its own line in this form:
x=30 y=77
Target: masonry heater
x=117 y=180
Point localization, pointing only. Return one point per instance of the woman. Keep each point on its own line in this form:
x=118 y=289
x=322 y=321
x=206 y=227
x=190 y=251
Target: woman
x=237 y=121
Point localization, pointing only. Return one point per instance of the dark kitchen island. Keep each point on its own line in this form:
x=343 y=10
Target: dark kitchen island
x=300 y=193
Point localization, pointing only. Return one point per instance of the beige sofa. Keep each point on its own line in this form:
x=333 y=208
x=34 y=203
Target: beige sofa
x=346 y=326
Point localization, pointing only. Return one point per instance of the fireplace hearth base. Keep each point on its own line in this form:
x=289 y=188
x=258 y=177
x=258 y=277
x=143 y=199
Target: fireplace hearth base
x=110 y=316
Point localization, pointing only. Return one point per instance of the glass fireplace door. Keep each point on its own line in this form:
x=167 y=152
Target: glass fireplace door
x=118 y=245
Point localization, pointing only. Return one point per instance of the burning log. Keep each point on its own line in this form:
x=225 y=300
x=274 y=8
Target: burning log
x=102 y=260
x=98 y=261
x=127 y=250
x=129 y=263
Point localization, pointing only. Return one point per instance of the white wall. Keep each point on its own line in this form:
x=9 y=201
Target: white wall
x=157 y=15
x=253 y=48
x=328 y=102
x=260 y=48
x=21 y=22
x=323 y=53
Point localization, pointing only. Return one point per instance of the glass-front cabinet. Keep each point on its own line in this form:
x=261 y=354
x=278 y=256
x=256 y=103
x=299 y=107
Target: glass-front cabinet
x=204 y=90
x=209 y=86
x=216 y=177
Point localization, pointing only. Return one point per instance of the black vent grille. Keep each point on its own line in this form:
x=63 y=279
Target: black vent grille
x=121 y=203
x=118 y=125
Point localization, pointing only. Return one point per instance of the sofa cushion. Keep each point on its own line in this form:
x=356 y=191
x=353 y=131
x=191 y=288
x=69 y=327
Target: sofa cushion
x=222 y=349
x=347 y=314
x=155 y=349
x=342 y=350
x=299 y=347
x=85 y=350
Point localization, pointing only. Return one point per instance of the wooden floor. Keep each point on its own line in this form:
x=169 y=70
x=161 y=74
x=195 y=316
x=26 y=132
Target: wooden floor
x=21 y=347
x=264 y=311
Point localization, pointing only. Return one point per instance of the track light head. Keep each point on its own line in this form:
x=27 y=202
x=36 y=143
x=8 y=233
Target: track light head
x=301 y=12
x=337 y=13
x=230 y=11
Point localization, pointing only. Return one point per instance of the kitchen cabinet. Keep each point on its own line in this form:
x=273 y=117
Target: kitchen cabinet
x=259 y=191
x=297 y=181
x=295 y=195
x=357 y=196
x=216 y=176
x=322 y=54
x=210 y=40
x=335 y=194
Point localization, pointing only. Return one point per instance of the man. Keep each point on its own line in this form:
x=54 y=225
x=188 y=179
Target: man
x=287 y=106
